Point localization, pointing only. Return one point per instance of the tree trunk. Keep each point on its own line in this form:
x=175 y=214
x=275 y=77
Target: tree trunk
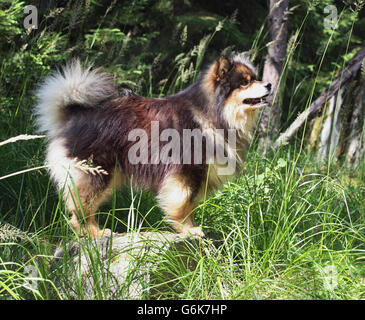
x=347 y=73
x=356 y=147
x=331 y=129
x=340 y=132
x=343 y=129
x=278 y=34
x=178 y=7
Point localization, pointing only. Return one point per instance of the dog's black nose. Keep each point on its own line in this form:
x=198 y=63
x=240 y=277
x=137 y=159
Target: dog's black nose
x=268 y=86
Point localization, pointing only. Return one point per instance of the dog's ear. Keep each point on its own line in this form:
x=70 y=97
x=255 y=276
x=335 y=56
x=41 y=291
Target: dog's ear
x=224 y=65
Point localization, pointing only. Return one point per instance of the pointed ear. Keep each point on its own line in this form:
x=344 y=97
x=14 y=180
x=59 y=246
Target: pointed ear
x=224 y=65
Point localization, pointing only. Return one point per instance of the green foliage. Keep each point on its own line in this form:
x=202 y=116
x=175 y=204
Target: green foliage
x=279 y=225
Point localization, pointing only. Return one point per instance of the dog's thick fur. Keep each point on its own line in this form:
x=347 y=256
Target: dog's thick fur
x=88 y=121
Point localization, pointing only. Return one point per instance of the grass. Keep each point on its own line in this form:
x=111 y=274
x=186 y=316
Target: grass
x=286 y=228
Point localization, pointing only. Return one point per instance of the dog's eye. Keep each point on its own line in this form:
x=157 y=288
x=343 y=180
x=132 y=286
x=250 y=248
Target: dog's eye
x=244 y=82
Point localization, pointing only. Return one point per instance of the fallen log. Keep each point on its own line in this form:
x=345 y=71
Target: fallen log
x=347 y=73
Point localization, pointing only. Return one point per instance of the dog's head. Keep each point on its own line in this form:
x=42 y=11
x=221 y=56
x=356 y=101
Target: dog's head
x=234 y=81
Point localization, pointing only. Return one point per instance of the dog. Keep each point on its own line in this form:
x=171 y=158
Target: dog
x=93 y=130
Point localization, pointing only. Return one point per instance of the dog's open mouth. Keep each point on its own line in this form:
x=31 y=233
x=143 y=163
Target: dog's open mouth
x=254 y=101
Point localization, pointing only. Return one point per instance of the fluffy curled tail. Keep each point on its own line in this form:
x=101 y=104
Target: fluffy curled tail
x=71 y=85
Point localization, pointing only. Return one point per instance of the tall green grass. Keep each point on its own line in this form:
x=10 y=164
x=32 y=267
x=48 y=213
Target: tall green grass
x=280 y=230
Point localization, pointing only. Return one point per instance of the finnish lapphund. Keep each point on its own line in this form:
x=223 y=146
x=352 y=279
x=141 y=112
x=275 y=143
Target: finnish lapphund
x=93 y=129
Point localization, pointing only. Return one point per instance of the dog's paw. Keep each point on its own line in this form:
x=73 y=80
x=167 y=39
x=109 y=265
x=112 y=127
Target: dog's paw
x=103 y=233
x=194 y=232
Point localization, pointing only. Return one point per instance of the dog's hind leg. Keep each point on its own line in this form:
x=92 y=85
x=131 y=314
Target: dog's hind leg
x=83 y=192
x=176 y=198
x=84 y=200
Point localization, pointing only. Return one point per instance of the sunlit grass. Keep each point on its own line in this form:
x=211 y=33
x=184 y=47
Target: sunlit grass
x=286 y=228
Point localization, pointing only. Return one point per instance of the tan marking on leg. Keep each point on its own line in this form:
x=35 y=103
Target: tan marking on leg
x=177 y=201
x=85 y=205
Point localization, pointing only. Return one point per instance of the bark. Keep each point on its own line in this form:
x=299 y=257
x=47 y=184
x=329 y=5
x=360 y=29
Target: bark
x=347 y=73
x=332 y=126
x=315 y=127
x=278 y=34
x=178 y=7
x=49 y=4
x=356 y=147
x=342 y=131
